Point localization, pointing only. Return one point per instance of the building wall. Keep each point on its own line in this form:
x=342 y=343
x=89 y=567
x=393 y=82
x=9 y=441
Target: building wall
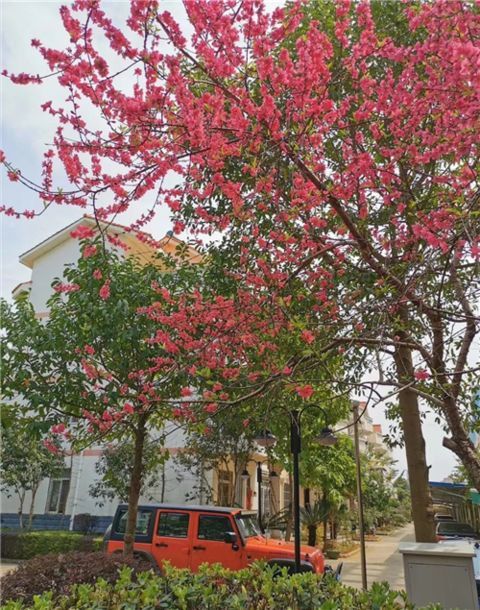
x=49 y=266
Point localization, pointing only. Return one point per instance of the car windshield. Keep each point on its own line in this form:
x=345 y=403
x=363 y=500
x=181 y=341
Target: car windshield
x=248 y=525
x=449 y=527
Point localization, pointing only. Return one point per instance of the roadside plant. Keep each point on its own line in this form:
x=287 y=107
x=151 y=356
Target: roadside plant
x=259 y=587
x=26 y=460
x=91 y=372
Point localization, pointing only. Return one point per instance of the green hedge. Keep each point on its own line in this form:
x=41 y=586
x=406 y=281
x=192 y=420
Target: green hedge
x=214 y=588
x=25 y=545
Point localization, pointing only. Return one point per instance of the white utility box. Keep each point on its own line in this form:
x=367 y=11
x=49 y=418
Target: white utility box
x=440 y=573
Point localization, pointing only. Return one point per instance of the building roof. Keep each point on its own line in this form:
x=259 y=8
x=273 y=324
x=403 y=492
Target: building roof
x=140 y=244
x=448 y=485
x=23 y=287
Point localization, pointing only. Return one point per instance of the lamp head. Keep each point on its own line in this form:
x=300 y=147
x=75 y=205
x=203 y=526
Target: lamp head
x=265 y=439
x=245 y=475
x=326 y=438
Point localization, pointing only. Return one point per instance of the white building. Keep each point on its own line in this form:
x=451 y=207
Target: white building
x=370 y=435
x=59 y=500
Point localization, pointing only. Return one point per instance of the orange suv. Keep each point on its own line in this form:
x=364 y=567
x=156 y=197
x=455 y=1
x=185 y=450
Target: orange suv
x=188 y=536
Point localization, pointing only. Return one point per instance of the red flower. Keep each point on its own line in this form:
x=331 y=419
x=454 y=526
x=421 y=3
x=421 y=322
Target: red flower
x=104 y=292
x=66 y=287
x=304 y=391
x=58 y=429
x=308 y=336
x=83 y=232
x=421 y=374
x=89 y=250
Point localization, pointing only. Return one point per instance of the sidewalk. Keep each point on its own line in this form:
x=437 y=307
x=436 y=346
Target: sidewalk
x=384 y=562
x=7 y=566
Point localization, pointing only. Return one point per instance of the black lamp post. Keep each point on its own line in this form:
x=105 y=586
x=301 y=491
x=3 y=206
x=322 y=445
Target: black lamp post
x=272 y=475
x=326 y=438
x=361 y=521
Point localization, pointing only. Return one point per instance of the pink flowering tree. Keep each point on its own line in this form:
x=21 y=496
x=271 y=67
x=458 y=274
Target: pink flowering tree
x=95 y=372
x=337 y=150
x=128 y=346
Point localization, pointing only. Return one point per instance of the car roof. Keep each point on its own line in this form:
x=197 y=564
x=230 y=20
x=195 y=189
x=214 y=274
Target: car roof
x=453 y=524
x=196 y=508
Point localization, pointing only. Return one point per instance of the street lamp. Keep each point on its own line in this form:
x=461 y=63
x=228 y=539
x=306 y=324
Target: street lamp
x=361 y=521
x=272 y=476
x=326 y=438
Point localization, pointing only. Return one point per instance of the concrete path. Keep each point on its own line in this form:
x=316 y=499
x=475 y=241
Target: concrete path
x=384 y=562
x=6 y=567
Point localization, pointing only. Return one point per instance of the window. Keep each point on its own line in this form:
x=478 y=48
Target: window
x=225 y=487
x=213 y=527
x=248 y=525
x=173 y=525
x=58 y=493
x=143 y=522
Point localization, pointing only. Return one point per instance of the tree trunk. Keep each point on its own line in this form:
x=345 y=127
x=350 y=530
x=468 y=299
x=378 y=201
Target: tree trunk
x=135 y=487
x=21 y=497
x=325 y=531
x=312 y=535
x=162 y=493
x=463 y=448
x=306 y=497
x=422 y=508
x=32 y=507
x=334 y=529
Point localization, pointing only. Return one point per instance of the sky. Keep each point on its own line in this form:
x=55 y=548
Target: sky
x=26 y=131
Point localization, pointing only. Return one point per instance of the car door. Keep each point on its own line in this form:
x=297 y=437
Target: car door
x=143 y=529
x=208 y=542
x=171 y=538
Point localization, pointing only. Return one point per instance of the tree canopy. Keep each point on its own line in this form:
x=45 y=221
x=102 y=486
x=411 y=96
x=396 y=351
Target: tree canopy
x=329 y=154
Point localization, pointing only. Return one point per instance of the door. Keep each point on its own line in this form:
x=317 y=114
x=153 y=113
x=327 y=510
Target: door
x=209 y=546
x=143 y=529
x=171 y=538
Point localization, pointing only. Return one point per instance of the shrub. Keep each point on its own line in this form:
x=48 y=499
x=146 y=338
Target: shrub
x=57 y=573
x=25 y=545
x=216 y=588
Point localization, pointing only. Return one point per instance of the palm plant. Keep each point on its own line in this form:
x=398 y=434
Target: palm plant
x=314 y=514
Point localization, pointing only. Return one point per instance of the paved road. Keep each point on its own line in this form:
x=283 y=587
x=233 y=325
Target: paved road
x=384 y=562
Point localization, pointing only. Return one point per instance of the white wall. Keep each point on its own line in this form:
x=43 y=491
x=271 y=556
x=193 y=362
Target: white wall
x=49 y=266
x=11 y=504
